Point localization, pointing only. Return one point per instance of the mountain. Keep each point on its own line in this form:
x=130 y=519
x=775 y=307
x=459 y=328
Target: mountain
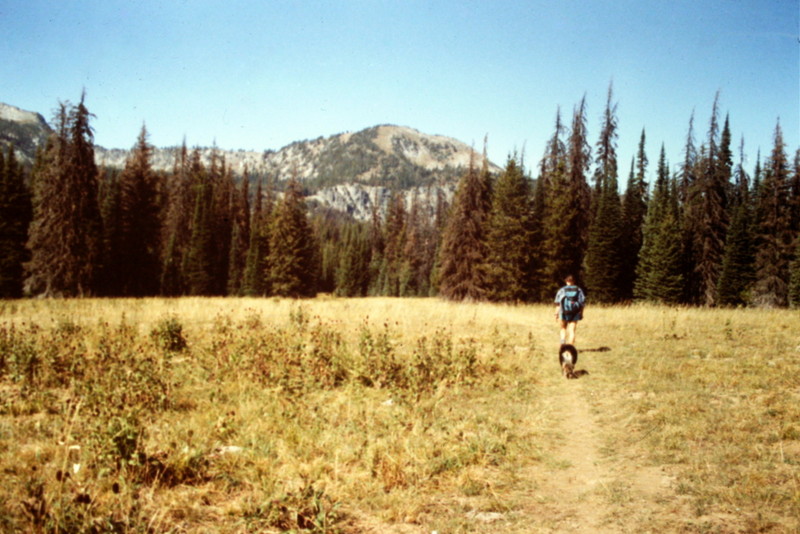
x=350 y=172
x=387 y=155
x=26 y=130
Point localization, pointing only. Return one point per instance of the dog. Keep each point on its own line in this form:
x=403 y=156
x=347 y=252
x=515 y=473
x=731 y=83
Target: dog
x=568 y=357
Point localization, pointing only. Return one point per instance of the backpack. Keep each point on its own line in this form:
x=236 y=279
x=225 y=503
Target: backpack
x=571 y=301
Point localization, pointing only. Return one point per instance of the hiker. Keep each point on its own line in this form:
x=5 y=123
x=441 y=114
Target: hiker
x=569 y=309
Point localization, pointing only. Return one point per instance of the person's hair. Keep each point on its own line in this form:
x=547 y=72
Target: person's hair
x=569 y=279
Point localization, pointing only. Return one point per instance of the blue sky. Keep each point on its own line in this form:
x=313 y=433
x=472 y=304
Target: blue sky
x=262 y=74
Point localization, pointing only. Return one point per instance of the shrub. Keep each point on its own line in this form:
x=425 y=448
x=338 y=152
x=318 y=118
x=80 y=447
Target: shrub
x=168 y=334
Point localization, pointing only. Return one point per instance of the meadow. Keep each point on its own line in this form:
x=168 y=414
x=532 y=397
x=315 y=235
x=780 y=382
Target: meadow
x=394 y=415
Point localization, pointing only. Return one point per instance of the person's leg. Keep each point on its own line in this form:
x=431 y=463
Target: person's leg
x=569 y=331
x=563 y=332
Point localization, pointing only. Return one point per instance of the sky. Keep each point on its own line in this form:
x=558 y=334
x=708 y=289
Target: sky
x=259 y=75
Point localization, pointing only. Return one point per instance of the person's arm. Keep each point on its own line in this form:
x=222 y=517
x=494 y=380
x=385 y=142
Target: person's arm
x=558 y=303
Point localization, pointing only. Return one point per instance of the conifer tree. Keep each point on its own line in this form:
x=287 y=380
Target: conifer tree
x=394 y=239
x=634 y=208
x=604 y=255
x=291 y=247
x=794 y=197
x=256 y=279
x=240 y=237
x=176 y=232
x=554 y=202
x=737 y=273
x=689 y=204
x=111 y=268
x=140 y=222
x=352 y=274
x=462 y=257
x=418 y=250
x=16 y=212
x=657 y=209
x=65 y=236
x=198 y=261
x=222 y=195
x=437 y=232
x=377 y=245
x=509 y=228
x=794 y=279
x=774 y=235
x=541 y=281
x=666 y=279
x=710 y=207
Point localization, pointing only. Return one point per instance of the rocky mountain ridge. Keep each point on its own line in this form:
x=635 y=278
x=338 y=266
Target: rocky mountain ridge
x=26 y=130
x=352 y=172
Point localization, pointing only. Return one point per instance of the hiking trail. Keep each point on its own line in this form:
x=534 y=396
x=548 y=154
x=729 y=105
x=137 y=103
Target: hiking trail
x=590 y=482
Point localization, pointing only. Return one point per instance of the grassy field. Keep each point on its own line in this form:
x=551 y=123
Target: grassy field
x=394 y=415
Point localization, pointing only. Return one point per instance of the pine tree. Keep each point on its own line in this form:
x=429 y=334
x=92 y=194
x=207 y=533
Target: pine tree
x=256 y=280
x=509 y=227
x=394 y=239
x=16 y=212
x=291 y=255
x=666 y=279
x=240 y=237
x=738 y=273
x=774 y=236
x=462 y=257
x=634 y=208
x=560 y=210
x=711 y=204
x=794 y=279
x=140 y=222
x=656 y=213
x=223 y=192
x=794 y=197
x=418 y=250
x=541 y=281
x=66 y=232
x=176 y=232
x=111 y=268
x=377 y=243
x=604 y=255
x=352 y=274
x=198 y=259
x=689 y=203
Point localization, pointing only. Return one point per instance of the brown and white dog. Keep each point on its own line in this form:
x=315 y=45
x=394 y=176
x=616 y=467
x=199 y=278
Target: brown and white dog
x=568 y=357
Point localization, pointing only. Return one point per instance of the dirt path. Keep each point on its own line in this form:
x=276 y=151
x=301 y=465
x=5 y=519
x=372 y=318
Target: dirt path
x=591 y=482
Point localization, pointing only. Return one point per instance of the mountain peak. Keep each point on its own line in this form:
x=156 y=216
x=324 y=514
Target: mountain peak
x=25 y=130
x=15 y=114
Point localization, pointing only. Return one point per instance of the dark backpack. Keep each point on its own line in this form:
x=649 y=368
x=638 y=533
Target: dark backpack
x=571 y=301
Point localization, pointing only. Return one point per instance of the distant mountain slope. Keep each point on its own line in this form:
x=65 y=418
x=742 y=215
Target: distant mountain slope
x=26 y=130
x=351 y=172
x=394 y=156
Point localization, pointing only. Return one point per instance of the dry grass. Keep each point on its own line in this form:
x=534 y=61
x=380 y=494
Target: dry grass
x=393 y=415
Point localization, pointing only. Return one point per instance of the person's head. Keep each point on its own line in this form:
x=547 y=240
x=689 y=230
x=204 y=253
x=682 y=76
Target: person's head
x=570 y=280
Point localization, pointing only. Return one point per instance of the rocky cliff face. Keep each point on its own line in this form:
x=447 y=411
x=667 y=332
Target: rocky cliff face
x=361 y=201
x=25 y=130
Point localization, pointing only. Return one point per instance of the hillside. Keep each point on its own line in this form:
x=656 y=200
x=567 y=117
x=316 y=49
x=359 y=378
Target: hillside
x=382 y=155
x=350 y=172
x=26 y=130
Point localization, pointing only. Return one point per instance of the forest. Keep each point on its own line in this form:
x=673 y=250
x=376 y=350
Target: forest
x=704 y=231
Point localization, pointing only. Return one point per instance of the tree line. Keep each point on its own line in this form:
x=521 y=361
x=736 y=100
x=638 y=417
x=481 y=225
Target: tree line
x=708 y=233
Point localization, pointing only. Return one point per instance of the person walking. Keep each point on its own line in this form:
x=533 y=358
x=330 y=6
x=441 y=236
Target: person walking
x=569 y=302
